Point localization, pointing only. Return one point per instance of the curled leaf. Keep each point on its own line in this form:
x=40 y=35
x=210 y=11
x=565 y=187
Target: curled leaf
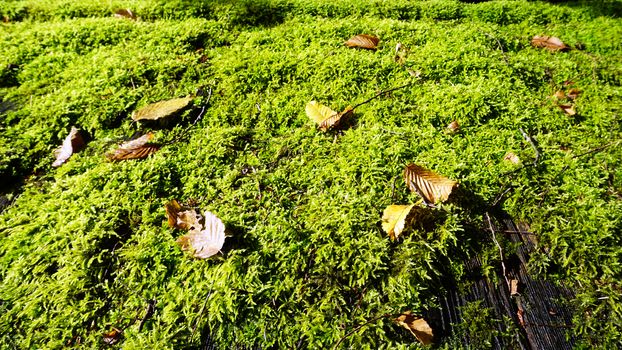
x=161 y=109
x=430 y=186
x=173 y=209
x=560 y=95
x=568 y=109
x=207 y=240
x=394 y=219
x=453 y=127
x=551 y=43
x=417 y=326
x=135 y=149
x=73 y=143
x=124 y=13
x=363 y=41
x=573 y=93
x=325 y=117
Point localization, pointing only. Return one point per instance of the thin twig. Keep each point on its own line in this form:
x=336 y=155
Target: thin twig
x=494 y=238
x=533 y=145
x=357 y=328
x=196 y=120
x=149 y=310
x=380 y=94
x=200 y=315
x=505 y=58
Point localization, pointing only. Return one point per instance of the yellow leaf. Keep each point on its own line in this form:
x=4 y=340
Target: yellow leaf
x=430 y=186
x=325 y=117
x=417 y=326
x=172 y=213
x=394 y=219
x=161 y=109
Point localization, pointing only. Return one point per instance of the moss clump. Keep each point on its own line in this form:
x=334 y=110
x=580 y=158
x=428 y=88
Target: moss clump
x=85 y=247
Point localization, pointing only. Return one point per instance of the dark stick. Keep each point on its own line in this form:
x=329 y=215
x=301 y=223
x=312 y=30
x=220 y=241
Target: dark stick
x=380 y=94
x=196 y=120
x=359 y=327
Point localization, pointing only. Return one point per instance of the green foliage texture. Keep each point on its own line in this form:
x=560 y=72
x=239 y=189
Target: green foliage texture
x=85 y=246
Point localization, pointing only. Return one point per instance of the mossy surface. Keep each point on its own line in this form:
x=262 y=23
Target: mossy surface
x=85 y=247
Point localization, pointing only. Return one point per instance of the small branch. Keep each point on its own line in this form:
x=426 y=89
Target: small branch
x=357 y=328
x=505 y=58
x=149 y=310
x=200 y=315
x=494 y=238
x=533 y=145
x=380 y=94
x=196 y=120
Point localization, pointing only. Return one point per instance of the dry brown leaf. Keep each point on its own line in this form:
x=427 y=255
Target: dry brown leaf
x=363 y=41
x=207 y=240
x=135 y=149
x=73 y=143
x=453 y=127
x=173 y=208
x=511 y=157
x=551 y=43
x=417 y=326
x=325 y=117
x=560 y=95
x=124 y=13
x=514 y=287
x=161 y=109
x=573 y=93
x=113 y=336
x=189 y=220
x=394 y=219
x=430 y=186
x=568 y=109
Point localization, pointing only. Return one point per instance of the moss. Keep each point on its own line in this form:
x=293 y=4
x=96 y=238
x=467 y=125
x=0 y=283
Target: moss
x=85 y=246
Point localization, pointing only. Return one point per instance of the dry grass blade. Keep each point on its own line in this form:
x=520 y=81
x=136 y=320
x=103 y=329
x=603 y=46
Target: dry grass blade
x=161 y=109
x=205 y=242
x=430 y=186
x=73 y=143
x=363 y=41
x=550 y=43
x=135 y=149
x=417 y=326
x=124 y=13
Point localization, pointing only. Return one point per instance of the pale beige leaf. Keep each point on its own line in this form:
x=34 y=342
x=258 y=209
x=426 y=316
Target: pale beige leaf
x=207 y=241
x=430 y=186
x=363 y=41
x=189 y=220
x=549 y=42
x=512 y=158
x=568 y=109
x=394 y=219
x=124 y=13
x=73 y=143
x=161 y=109
x=418 y=326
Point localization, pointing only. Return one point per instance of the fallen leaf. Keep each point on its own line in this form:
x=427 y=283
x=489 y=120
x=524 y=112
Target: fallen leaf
x=416 y=74
x=135 y=149
x=173 y=208
x=512 y=158
x=363 y=41
x=113 y=336
x=453 y=127
x=207 y=241
x=325 y=117
x=400 y=53
x=560 y=95
x=161 y=109
x=551 y=43
x=189 y=220
x=124 y=13
x=73 y=143
x=514 y=287
x=573 y=93
x=417 y=326
x=430 y=186
x=394 y=219
x=568 y=109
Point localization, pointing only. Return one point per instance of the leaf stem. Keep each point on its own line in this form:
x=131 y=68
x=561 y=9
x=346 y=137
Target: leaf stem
x=357 y=328
x=381 y=93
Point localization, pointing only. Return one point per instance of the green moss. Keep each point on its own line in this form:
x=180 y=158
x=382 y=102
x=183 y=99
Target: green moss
x=86 y=246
